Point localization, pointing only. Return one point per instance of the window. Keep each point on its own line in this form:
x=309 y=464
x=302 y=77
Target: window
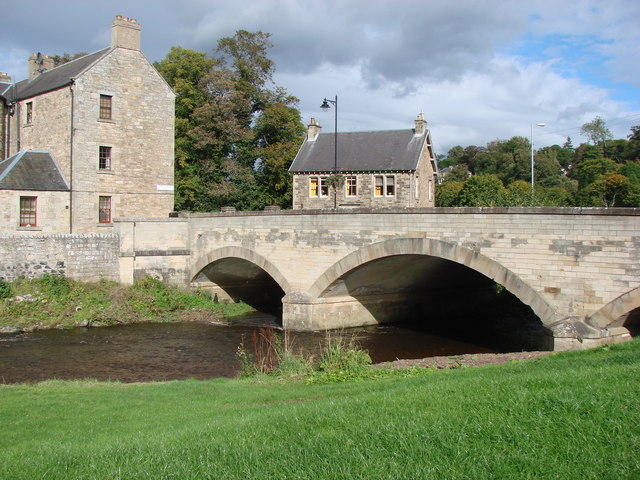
x=29 y=113
x=28 y=211
x=351 y=184
x=105 y=107
x=384 y=185
x=104 y=209
x=318 y=187
x=104 y=161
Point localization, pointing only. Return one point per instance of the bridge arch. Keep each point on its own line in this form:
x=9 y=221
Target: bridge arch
x=243 y=254
x=610 y=314
x=444 y=250
x=238 y=273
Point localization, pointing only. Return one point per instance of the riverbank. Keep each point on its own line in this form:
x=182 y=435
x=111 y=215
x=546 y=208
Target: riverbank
x=54 y=301
x=571 y=415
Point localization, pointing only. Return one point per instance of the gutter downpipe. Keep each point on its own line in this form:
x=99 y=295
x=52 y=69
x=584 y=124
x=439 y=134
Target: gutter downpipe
x=71 y=135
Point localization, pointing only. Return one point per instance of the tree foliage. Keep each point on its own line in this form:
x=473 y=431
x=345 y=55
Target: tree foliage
x=236 y=132
x=596 y=131
x=601 y=174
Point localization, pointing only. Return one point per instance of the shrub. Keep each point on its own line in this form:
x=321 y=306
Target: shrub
x=5 y=289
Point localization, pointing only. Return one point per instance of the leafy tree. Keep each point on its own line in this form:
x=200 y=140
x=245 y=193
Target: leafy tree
x=66 y=58
x=458 y=172
x=447 y=193
x=633 y=146
x=588 y=171
x=231 y=148
x=518 y=194
x=481 y=191
x=184 y=70
x=596 y=131
x=611 y=190
x=279 y=132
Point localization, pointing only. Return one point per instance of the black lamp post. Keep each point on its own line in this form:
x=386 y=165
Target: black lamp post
x=325 y=106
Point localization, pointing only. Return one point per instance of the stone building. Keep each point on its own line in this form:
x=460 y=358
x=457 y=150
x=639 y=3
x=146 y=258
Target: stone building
x=395 y=168
x=100 y=127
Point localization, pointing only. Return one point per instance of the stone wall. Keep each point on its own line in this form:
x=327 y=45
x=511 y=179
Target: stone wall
x=87 y=257
x=140 y=134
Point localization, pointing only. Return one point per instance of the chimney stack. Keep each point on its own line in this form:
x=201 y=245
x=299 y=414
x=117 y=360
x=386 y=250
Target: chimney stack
x=421 y=124
x=125 y=33
x=313 y=129
x=38 y=64
x=4 y=77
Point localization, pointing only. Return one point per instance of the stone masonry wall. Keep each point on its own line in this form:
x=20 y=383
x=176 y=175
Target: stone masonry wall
x=81 y=257
x=140 y=134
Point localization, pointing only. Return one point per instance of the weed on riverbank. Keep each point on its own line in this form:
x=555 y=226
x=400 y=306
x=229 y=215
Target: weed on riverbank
x=57 y=301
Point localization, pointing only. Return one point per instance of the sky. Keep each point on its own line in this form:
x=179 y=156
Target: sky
x=479 y=70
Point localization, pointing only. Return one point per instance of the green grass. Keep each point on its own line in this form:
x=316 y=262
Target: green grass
x=565 y=416
x=56 y=301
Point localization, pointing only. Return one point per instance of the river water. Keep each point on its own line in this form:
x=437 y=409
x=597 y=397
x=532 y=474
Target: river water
x=157 y=352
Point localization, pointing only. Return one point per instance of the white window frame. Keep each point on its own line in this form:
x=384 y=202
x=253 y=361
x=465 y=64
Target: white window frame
x=322 y=187
x=347 y=184
x=385 y=185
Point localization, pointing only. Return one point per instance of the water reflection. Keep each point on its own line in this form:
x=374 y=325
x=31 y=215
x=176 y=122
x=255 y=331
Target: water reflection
x=156 y=352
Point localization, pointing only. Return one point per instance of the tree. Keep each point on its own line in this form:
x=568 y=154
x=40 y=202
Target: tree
x=596 y=131
x=231 y=148
x=481 y=191
x=633 y=146
x=611 y=190
x=66 y=58
x=184 y=70
x=447 y=193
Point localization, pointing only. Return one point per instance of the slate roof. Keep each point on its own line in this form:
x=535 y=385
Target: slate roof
x=392 y=150
x=32 y=170
x=53 y=79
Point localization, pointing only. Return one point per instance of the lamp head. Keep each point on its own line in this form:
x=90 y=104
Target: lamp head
x=325 y=105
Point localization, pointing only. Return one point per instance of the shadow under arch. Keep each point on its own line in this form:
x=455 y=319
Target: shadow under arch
x=443 y=250
x=243 y=275
x=622 y=311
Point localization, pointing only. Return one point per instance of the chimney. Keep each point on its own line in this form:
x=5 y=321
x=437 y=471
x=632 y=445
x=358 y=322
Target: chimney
x=313 y=129
x=421 y=125
x=4 y=77
x=125 y=33
x=38 y=64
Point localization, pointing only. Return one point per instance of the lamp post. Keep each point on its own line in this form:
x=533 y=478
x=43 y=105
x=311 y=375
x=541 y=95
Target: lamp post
x=325 y=106
x=532 y=161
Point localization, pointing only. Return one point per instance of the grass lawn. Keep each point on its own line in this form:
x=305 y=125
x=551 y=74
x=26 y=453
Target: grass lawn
x=568 y=416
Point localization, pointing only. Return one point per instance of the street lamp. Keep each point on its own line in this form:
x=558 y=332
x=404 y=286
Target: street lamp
x=325 y=106
x=532 y=162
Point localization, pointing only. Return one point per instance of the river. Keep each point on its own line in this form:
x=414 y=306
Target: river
x=172 y=351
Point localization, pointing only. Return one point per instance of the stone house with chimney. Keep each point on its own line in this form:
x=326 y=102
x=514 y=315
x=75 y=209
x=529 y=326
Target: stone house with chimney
x=380 y=169
x=86 y=141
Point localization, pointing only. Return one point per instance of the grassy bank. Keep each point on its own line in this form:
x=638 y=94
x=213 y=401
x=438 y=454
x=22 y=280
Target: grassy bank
x=57 y=301
x=566 y=416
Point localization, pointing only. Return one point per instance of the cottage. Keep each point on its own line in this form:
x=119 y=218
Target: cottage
x=86 y=141
x=381 y=169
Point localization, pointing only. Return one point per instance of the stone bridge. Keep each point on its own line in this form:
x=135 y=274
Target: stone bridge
x=577 y=269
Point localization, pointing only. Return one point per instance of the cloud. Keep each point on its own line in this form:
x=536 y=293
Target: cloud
x=480 y=70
